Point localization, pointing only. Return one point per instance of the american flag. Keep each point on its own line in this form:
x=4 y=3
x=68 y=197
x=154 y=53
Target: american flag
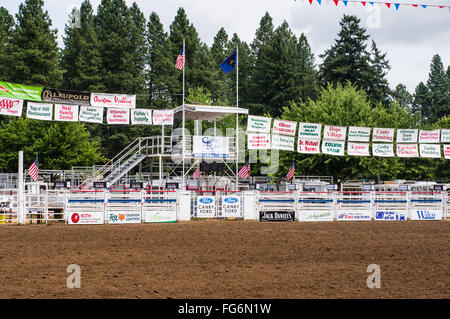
x=196 y=173
x=34 y=169
x=180 y=60
x=291 y=172
x=244 y=171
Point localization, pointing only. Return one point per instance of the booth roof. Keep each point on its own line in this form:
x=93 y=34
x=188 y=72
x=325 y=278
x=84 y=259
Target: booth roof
x=207 y=112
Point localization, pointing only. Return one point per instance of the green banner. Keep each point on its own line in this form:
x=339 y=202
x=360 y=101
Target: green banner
x=20 y=91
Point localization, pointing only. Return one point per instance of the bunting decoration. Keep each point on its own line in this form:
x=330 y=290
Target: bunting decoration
x=389 y=5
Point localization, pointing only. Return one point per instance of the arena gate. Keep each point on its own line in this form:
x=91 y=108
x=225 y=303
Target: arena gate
x=217 y=203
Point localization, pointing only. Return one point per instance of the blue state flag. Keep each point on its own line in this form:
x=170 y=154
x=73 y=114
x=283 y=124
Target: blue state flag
x=229 y=63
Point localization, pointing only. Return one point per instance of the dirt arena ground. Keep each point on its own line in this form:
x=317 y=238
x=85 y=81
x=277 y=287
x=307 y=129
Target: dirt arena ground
x=227 y=259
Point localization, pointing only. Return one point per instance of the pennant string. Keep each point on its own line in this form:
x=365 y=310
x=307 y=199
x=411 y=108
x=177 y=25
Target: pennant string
x=388 y=4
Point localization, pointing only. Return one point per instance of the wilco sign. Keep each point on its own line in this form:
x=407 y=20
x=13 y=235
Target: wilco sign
x=206 y=207
x=426 y=215
x=231 y=206
x=277 y=216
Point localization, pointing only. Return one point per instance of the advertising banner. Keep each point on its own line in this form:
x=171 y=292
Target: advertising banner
x=91 y=114
x=231 y=206
x=383 y=150
x=118 y=116
x=337 y=133
x=284 y=127
x=390 y=215
x=307 y=146
x=383 y=135
x=161 y=216
x=258 y=124
x=427 y=214
x=66 y=113
x=206 y=207
x=333 y=147
x=445 y=136
x=316 y=216
x=40 y=111
x=309 y=130
x=430 y=150
x=64 y=96
x=432 y=136
x=20 y=91
x=285 y=143
x=358 y=149
x=258 y=141
x=113 y=100
x=407 y=136
x=11 y=107
x=358 y=134
x=141 y=116
x=210 y=146
x=355 y=215
x=86 y=218
x=277 y=216
x=163 y=117
x=407 y=150
x=124 y=218
x=446 y=148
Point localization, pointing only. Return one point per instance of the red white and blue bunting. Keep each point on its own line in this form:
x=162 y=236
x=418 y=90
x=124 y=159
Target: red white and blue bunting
x=389 y=5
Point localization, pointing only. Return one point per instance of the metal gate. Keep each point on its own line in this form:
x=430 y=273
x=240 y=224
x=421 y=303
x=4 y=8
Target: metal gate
x=352 y=206
x=426 y=206
x=85 y=207
x=316 y=206
x=124 y=207
x=390 y=205
x=159 y=206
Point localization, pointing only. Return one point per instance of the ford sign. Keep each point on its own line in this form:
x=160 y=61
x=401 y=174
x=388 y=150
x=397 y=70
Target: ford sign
x=206 y=200
x=231 y=200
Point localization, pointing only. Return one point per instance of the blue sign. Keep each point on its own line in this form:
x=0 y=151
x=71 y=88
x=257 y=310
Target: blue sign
x=390 y=215
x=206 y=200
x=231 y=200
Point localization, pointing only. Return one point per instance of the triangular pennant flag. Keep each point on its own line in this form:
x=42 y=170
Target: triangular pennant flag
x=336 y=2
x=320 y=2
x=396 y=6
x=424 y=6
x=363 y=3
x=310 y=1
x=388 y=5
x=345 y=2
x=414 y=5
x=371 y=3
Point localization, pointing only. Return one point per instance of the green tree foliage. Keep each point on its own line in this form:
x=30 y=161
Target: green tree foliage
x=379 y=90
x=6 y=28
x=402 y=97
x=307 y=73
x=438 y=85
x=422 y=102
x=33 y=56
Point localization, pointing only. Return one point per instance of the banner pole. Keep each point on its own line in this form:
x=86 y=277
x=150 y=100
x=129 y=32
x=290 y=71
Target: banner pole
x=237 y=117
x=184 y=116
x=20 y=193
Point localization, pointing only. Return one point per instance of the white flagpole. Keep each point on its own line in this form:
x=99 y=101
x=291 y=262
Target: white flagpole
x=237 y=117
x=184 y=119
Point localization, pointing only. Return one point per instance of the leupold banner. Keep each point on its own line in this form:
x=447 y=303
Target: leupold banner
x=20 y=91
x=91 y=114
x=210 y=147
x=407 y=136
x=258 y=124
x=40 y=111
x=141 y=116
x=113 y=100
x=11 y=107
x=309 y=130
x=358 y=134
x=65 y=96
x=66 y=113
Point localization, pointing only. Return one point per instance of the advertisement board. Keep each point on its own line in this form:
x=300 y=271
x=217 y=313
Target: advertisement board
x=91 y=114
x=206 y=207
x=425 y=214
x=124 y=218
x=66 y=113
x=390 y=215
x=163 y=117
x=383 y=135
x=332 y=132
x=358 y=134
x=354 y=215
x=65 y=96
x=118 y=116
x=161 y=216
x=231 y=206
x=430 y=150
x=407 y=150
x=20 y=91
x=383 y=150
x=309 y=130
x=40 y=111
x=333 y=147
x=308 y=146
x=316 y=216
x=11 y=107
x=358 y=149
x=258 y=141
x=210 y=146
x=113 y=100
x=280 y=142
x=86 y=218
x=407 y=135
x=429 y=136
x=277 y=216
x=141 y=116
x=258 y=124
x=284 y=127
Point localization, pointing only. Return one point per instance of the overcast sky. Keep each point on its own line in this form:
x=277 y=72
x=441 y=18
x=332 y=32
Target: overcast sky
x=410 y=36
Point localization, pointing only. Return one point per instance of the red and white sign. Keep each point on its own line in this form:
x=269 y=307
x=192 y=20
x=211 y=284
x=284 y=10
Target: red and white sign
x=162 y=117
x=284 y=127
x=308 y=146
x=336 y=133
x=446 y=148
x=118 y=116
x=383 y=135
x=407 y=150
x=258 y=141
x=358 y=149
x=113 y=100
x=66 y=113
x=432 y=136
x=86 y=218
x=12 y=107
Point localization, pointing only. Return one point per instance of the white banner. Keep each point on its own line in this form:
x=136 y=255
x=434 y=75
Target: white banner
x=432 y=136
x=359 y=134
x=285 y=143
x=407 y=136
x=333 y=147
x=332 y=132
x=210 y=146
x=84 y=218
x=231 y=206
x=430 y=150
x=206 y=207
x=358 y=149
x=124 y=218
x=307 y=146
x=163 y=117
x=355 y=215
x=40 y=111
x=113 y=100
x=284 y=127
x=426 y=214
x=383 y=150
x=258 y=141
x=445 y=136
x=315 y=216
x=407 y=150
x=309 y=130
x=91 y=114
x=446 y=148
x=66 y=113
x=12 y=107
x=390 y=215
x=383 y=135
x=118 y=116
x=141 y=116
x=160 y=216
x=258 y=124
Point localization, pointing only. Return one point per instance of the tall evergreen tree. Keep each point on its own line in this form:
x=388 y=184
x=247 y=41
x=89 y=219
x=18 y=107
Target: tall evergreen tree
x=307 y=74
x=438 y=85
x=33 y=56
x=245 y=71
x=402 y=96
x=81 y=57
x=219 y=51
x=379 y=90
x=422 y=102
x=6 y=28
x=263 y=34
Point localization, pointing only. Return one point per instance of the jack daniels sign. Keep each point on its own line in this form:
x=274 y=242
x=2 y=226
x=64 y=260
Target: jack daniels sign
x=65 y=96
x=277 y=216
